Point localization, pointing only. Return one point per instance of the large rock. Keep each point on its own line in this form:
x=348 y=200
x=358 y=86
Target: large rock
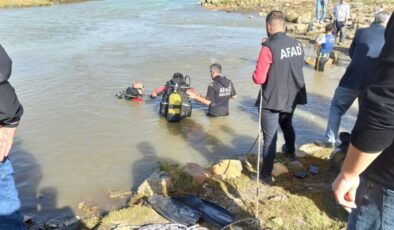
x=198 y=173
x=158 y=182
x=299 y=28
x=304 y=18
x=227 y=169
x=279 y=169
x=291 y=16
x=294 y=17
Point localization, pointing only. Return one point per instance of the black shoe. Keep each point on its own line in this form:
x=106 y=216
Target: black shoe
x=267 y=180
x=287 y=153
x=292 y=157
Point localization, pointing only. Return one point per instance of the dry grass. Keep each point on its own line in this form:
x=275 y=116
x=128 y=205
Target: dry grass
x=291 y=204
x=136 y=215
x=30 y=3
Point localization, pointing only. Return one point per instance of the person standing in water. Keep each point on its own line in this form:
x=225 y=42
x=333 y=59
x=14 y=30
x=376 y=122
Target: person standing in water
x=219 y=93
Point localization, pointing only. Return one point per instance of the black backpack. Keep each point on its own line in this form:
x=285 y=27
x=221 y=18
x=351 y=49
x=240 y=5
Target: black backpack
x=131 y=93
x=175 y=104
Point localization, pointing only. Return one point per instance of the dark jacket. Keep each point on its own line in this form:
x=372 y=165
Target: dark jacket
x=285 y=85
x=10 y=108
x=374 y=129
x=219 y=93
x=5 y=65
x=364 y=51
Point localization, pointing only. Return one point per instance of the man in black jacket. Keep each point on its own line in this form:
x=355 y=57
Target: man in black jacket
x=364 y=52
x=365 y=185
x=279 y=72
x=219 y=93
x=10 y=114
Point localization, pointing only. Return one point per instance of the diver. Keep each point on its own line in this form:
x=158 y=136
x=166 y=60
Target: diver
x=219 y=93
x=175 y=103
x=133 y=93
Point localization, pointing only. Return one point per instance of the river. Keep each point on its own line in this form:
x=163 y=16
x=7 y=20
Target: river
x=77 y=141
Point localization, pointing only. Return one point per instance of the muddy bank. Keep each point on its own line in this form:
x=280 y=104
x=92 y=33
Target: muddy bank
x=33 y=3
x=292 y=203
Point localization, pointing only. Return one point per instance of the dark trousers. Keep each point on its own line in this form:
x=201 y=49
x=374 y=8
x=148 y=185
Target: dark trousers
x=270 y=122
x=340 y=27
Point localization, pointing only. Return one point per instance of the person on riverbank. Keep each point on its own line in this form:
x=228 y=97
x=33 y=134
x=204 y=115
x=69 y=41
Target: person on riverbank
x=364 y=51
x=365 y=185
x=219 y=93
x=340 y=15
x=324 y=44
x=279 y=71
x=10 y=114
x=321 y=10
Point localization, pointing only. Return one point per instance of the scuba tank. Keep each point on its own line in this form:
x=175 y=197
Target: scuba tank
x=174 y=105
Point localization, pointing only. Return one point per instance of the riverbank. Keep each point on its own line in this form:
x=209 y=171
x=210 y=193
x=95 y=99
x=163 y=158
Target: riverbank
x=300 y=14
x=292 y=203
x=33 y=3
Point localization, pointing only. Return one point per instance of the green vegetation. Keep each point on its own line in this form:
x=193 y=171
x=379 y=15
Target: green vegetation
x=181 y=181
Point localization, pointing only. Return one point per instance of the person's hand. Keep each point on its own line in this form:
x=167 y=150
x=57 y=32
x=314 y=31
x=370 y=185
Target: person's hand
x=153 y=95
x=192 y=93
x=344 y=188
x=6 y=140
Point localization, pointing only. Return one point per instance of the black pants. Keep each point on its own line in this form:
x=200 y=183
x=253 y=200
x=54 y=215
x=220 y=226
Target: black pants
x=340 y=27
x=270 y=122
x=321 y=61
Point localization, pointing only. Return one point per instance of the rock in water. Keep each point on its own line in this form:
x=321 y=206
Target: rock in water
x=158 y=182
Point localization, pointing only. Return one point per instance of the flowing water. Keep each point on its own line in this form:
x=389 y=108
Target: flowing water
x=77 y=141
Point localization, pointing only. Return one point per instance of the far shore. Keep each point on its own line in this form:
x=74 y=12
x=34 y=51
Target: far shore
x=34 y=3
x=300 y=16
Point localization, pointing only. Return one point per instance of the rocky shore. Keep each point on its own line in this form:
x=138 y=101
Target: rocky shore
x=292 y=203
x=32 y=3
x=301 y=15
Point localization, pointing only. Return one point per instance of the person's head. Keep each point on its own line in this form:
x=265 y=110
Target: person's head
x=215 y=69
x=275 y=22
x=341 y=1
x=382 y=18
x=329 y=28
x=138 y=86
x=177 y=78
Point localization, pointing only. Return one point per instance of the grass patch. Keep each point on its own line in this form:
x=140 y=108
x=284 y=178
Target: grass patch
x=181 y=182
x=135 y=215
